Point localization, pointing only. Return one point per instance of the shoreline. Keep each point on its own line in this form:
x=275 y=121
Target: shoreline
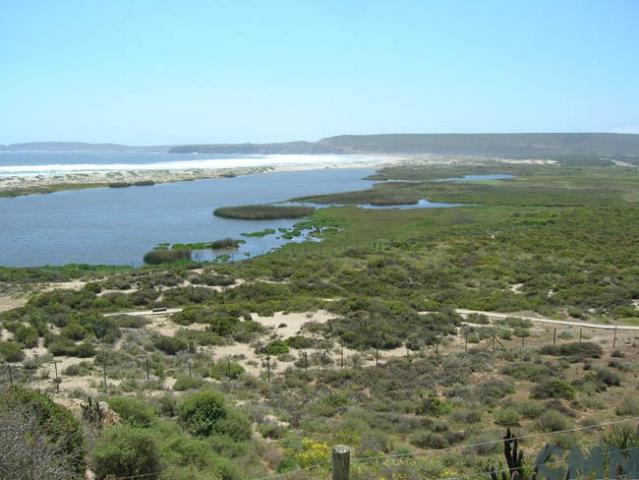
x=21 y=185
x=70 y=177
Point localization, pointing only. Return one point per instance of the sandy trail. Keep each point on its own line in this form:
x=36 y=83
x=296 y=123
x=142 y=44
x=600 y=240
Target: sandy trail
x=573 y=323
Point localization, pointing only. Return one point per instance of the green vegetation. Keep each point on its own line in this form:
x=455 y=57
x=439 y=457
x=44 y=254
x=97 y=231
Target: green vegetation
x=224 y=244
x=367 y=347
x=263 y=212
x=261 y=233
x=156 y=257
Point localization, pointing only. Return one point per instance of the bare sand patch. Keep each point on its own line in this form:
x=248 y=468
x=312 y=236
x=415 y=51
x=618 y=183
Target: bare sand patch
x=286 y=325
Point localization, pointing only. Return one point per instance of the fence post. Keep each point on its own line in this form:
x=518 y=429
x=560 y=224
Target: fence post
x=466 y=342
x=105 y=375
x=268 y=368
x=580 y=334
x=341 y=462
x=554 y=337
x=57 y=382
x=341 y=359
x=614 y=338
x=10 y=374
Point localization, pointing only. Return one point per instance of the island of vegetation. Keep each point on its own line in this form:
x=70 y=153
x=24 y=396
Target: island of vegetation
x=263 y=212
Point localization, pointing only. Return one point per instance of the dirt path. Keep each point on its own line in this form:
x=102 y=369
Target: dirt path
x=572 y=323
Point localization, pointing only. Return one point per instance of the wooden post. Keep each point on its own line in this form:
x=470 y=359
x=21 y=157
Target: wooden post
x=268 y=369
x=376 y=357
x=228 y=367
x=614 y=338
x=466 y=342
x=306 y=362
x=341 y=462
x=580 y=334
x=10 y=374
x=105 y=376
x=57 y=382
x=523 y=342
x=554 y=336
x=341 y=359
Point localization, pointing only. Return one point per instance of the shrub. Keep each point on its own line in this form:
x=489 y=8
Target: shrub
x=123 y=451
x=554 y=389
x=628 y=406
x=228 y=369
x=27 y=336
x=426 y=439
x=433 y=406
x=529 y=408
x=170 y=345
x=551 y=421
x=56 y=421
x=206 y=413
x=185 y=383
x=576 y=350
x=133 y=411
x=11 y=352
x=275 y=348
x=507 y=417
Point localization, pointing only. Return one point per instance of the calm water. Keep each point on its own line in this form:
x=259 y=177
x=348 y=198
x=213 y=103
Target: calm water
x=475 y=178
x=118 y=226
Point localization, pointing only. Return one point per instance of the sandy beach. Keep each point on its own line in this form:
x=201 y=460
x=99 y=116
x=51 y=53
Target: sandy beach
x=23 y=180
x=32 y=179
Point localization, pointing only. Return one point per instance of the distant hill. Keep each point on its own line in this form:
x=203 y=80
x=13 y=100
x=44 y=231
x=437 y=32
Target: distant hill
x=74 y=147
x=516 y=145
x=574 y=146
x=260 y=148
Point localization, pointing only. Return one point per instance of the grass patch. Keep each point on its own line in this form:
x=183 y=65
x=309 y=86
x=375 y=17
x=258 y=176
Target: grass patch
x=263 y=212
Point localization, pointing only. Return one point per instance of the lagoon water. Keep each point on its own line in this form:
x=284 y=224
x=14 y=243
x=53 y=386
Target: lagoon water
x=118 y=226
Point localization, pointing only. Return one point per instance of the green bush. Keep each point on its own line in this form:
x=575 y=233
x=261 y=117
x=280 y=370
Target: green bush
x=206 y=413
x=507 y=417
x=628 y=406
x=433 y=406
x=133 y=411
x=183 y=383
x=11 y=352
x=56 y=421
x=554 y=389
x=275 y=348
x=576 y=350
x=224 y=369
x=426 y=439
x=27 y=336
x=552 y=421
x=123 y=451
x=170 y=345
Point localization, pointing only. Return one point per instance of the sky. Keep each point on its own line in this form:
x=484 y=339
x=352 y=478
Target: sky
x=153 y=72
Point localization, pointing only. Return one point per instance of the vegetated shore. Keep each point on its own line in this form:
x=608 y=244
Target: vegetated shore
x=17 y=185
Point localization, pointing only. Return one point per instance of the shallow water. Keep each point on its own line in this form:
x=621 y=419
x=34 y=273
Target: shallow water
x=118 y=226
x=475 y=178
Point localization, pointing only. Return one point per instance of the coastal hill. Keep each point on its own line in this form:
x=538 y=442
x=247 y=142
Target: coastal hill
x=498 y=144
x=512 y=145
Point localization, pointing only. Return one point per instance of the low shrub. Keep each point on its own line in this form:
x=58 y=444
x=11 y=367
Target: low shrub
x=552 y=421
x=206 y=413
x=554 y=389
x=123 y=451
x=133 y=411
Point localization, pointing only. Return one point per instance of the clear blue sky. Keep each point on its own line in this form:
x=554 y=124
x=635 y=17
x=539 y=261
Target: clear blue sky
x=181 y=71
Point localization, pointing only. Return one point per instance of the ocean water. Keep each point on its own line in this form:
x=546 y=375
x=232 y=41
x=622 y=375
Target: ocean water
x=118 y=226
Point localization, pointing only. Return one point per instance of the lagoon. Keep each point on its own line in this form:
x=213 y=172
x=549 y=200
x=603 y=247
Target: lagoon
x=118 y=226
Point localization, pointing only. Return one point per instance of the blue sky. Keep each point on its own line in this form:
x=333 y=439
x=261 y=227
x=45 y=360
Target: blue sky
x=166 y=72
